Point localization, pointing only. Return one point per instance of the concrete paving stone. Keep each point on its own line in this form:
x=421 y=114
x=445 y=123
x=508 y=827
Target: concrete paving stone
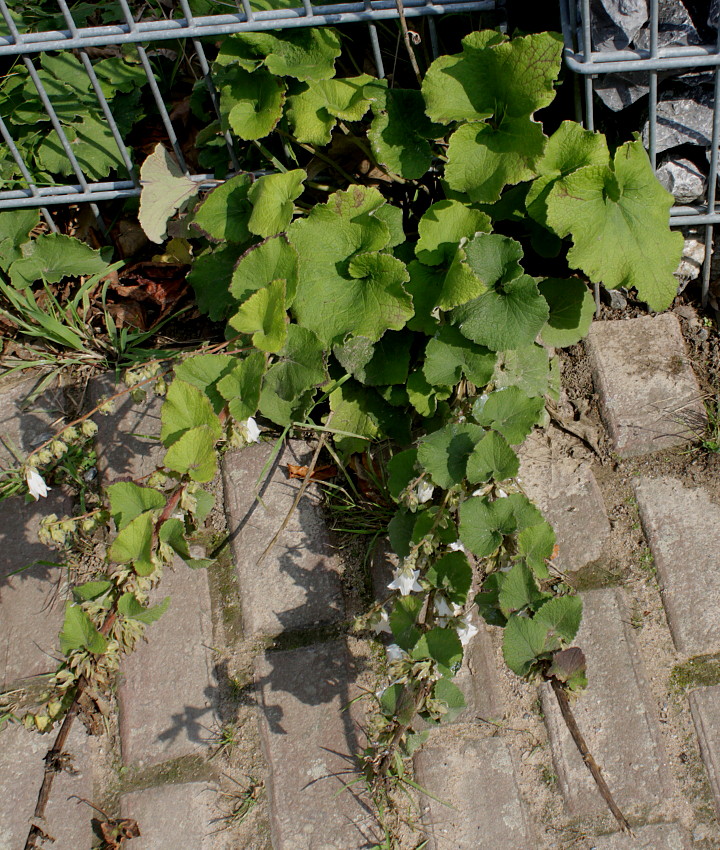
x=175 y=816
x=21 y=774
x=32 y=601
x=649 y=395
x=570 y=499
x=23 y=427
x=705 y=707
x=475 y=778
x=682 y=527
x=297 y=585
x=614 y=714
x=310 y=745
x=660 y=836
x=127 y=440
x=168 y=686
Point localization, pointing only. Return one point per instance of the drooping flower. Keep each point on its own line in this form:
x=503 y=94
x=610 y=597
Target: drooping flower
x=394 y=653
x=424 y=492
x=456 y=546
x=382 y=623
x=466 y=630
x=250 y=431
x=405 y=580
x=36 y=484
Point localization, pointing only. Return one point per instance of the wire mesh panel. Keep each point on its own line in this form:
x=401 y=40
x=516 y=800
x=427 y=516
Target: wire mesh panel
x=654 y=68
x=58 y=49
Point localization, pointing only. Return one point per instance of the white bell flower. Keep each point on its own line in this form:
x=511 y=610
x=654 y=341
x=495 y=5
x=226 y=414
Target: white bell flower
x=424 y=492
x=457 y=546
x=466 y=630
x=405 y=580
x=394 y=653
x=36 y=484
x=250 y=431
x=382 y=623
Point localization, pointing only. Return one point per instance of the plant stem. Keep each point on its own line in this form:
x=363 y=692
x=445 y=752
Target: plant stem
x=406 y=39
x=590 y=762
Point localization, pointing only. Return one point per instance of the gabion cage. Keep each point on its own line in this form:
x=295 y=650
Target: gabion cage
x=181 y=24
x=662 y=64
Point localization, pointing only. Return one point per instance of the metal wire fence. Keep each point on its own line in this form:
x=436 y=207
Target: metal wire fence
x=27 y=45
x=624 y=67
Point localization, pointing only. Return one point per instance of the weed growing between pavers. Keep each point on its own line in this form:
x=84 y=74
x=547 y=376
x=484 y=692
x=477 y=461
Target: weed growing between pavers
x=406 y=329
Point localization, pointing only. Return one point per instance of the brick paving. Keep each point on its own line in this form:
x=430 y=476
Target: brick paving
x=682 y=526
x=615 y=715
x=650 y=398
x=478 y=805
x=173 y=692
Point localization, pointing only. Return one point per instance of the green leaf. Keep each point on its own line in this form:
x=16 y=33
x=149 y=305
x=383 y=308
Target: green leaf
x=353 y=413
x=617 y=216
x=300 y=369
x=210 y=279
x=452 y=574
x=376 y=363
x=314 y=111
x=561 y=617
x=536 y=544
x=263 y=315
x=165 y=190
x=134 y=543
x=241 y=387
x=272 y=198
x=528 y=368
x=79 y=632
x=52 y=257
x=525 y=641
x=442 y=645
x=396 y=702
x=425 y=286
x=368 y=300
x=130 y=607
x=504 y=318
x=400 y=131
x=128 y=500
x=421 y=394
x=444 y=453
x=488 y=600
x=442 y=228
x=116 y=74
x=15 y=230
x=90 y=590
x=400 y=530
x=306 y=53
x=449 y=693
x=403 y=621
x=510 y=412
x=570 y=147
x=482 y=160
x=224 y=214
x=401 y=470
x=272 y=259
x=186 y=407
x=487 y=260
x=194 y=454
x=493 y=76
x=492 y=458
x=204 y=371
x=483 y=524
x=450 y=356
x=572 y=307
x=519 y=591
x=251 y=104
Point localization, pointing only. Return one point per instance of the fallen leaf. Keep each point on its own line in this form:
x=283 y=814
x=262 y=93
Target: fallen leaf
x=320 y=473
